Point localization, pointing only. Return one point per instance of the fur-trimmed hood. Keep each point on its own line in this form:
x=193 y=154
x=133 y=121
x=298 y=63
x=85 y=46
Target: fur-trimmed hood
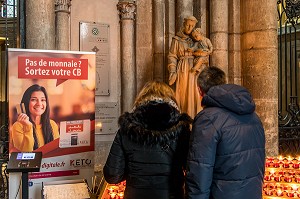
x=154 y=123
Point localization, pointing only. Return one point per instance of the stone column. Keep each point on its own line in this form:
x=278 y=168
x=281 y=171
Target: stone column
x=62 y=10
x=184 y=8
x=260 y=63
x=234 y=48
x=170 y=21
x=170 y=32
x=40 y=24
x=204 y=17
x=127 y=12
x=144 y=43
x=159 y=39
x=219 y=33
x=200 y=12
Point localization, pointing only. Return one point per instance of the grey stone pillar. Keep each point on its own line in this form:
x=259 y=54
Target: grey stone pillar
x=144 y=44
x=170 y=32
x=201 y=12
x=219 y=33
x=62 y=9
x=159 y=39
x=260 y=63
x=170 y=21
x=184 y=8
x=234 y=48
x=40 y=24
x=127 y=12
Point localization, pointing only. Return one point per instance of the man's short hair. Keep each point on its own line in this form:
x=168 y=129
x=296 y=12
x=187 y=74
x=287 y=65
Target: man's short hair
x=209 y=77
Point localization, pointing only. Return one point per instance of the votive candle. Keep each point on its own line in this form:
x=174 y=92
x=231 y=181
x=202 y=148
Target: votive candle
x=279 y=192
x=288 y=178
x=267 y=177
x=121 y=195
x=268 y=192
x=296 y=165
x=277 y=178
x=297 y=178
x=290 y=194
x=112 y=195
x=294 y=187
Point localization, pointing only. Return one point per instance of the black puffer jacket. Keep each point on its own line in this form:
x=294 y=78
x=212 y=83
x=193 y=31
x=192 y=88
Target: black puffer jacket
x=227 y=151
x=140 y=156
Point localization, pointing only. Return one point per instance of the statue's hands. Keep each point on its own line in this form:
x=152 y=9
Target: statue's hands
x=172 y=78
x=189 y=50
x=205 y=53
x=194 y=70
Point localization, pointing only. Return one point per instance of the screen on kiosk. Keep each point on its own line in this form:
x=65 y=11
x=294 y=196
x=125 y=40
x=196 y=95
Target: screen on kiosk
x=25 y=156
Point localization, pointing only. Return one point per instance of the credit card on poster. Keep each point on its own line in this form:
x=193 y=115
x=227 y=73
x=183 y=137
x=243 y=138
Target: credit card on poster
x=21 y=108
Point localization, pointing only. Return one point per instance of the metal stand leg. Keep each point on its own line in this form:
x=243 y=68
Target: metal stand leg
x=25 y=185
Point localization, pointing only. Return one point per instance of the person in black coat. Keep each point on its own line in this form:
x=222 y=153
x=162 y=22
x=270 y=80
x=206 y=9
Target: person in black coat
x=150 y=147
x=227 y=147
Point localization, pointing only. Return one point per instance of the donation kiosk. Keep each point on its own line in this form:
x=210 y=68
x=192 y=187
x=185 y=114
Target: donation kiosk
x=25 y=163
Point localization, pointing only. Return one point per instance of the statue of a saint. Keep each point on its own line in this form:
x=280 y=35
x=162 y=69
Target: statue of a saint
x=186 y=57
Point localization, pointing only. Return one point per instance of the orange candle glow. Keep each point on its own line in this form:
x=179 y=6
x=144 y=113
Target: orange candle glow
x=277 y=178
x=112 y=195
x=297 y=178
x=290 y=194
x=268 y=192
x=288 y=178
x=294 y=187
x=121 y=195
x=267 y=178
x=272 y=171
x=279 y=192
x=110 y=189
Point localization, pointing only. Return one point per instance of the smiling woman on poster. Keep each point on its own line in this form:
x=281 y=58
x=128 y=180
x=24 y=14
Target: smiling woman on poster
x=33 y=127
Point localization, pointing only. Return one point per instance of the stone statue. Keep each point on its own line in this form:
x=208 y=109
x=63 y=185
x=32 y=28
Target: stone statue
x=201 y=50
x=185 y=59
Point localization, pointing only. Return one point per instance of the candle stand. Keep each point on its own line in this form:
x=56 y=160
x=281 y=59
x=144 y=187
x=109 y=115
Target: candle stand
x=114 y=191
x=282 y=178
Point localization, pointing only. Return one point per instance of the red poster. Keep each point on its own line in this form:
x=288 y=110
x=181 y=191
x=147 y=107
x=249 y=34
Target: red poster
x=52 y=110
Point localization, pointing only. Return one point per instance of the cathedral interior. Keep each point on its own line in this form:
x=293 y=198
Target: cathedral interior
x=255 y=42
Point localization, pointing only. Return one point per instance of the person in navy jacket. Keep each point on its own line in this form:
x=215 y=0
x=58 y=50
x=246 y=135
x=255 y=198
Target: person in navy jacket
x=226 y=157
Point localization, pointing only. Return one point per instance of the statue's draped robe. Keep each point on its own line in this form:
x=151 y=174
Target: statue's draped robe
x=187 y=95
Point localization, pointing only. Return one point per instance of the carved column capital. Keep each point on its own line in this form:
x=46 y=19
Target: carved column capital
x=127 y=10
x=62 y=6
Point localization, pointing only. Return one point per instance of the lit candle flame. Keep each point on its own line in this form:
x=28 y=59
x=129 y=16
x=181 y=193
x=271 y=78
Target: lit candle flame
x=279 y=192
x=99 y=124
x=294 y=187
x=272 y=171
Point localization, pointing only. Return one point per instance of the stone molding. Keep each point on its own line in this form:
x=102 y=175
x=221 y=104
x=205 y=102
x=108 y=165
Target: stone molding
x=62 y=6
x=127 y=10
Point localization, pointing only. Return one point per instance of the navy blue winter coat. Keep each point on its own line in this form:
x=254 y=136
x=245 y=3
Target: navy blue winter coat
x=140 y=154
x=227 y=147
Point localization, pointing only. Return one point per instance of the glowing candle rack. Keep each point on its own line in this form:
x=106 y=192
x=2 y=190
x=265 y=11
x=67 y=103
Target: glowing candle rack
x=282 y=178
